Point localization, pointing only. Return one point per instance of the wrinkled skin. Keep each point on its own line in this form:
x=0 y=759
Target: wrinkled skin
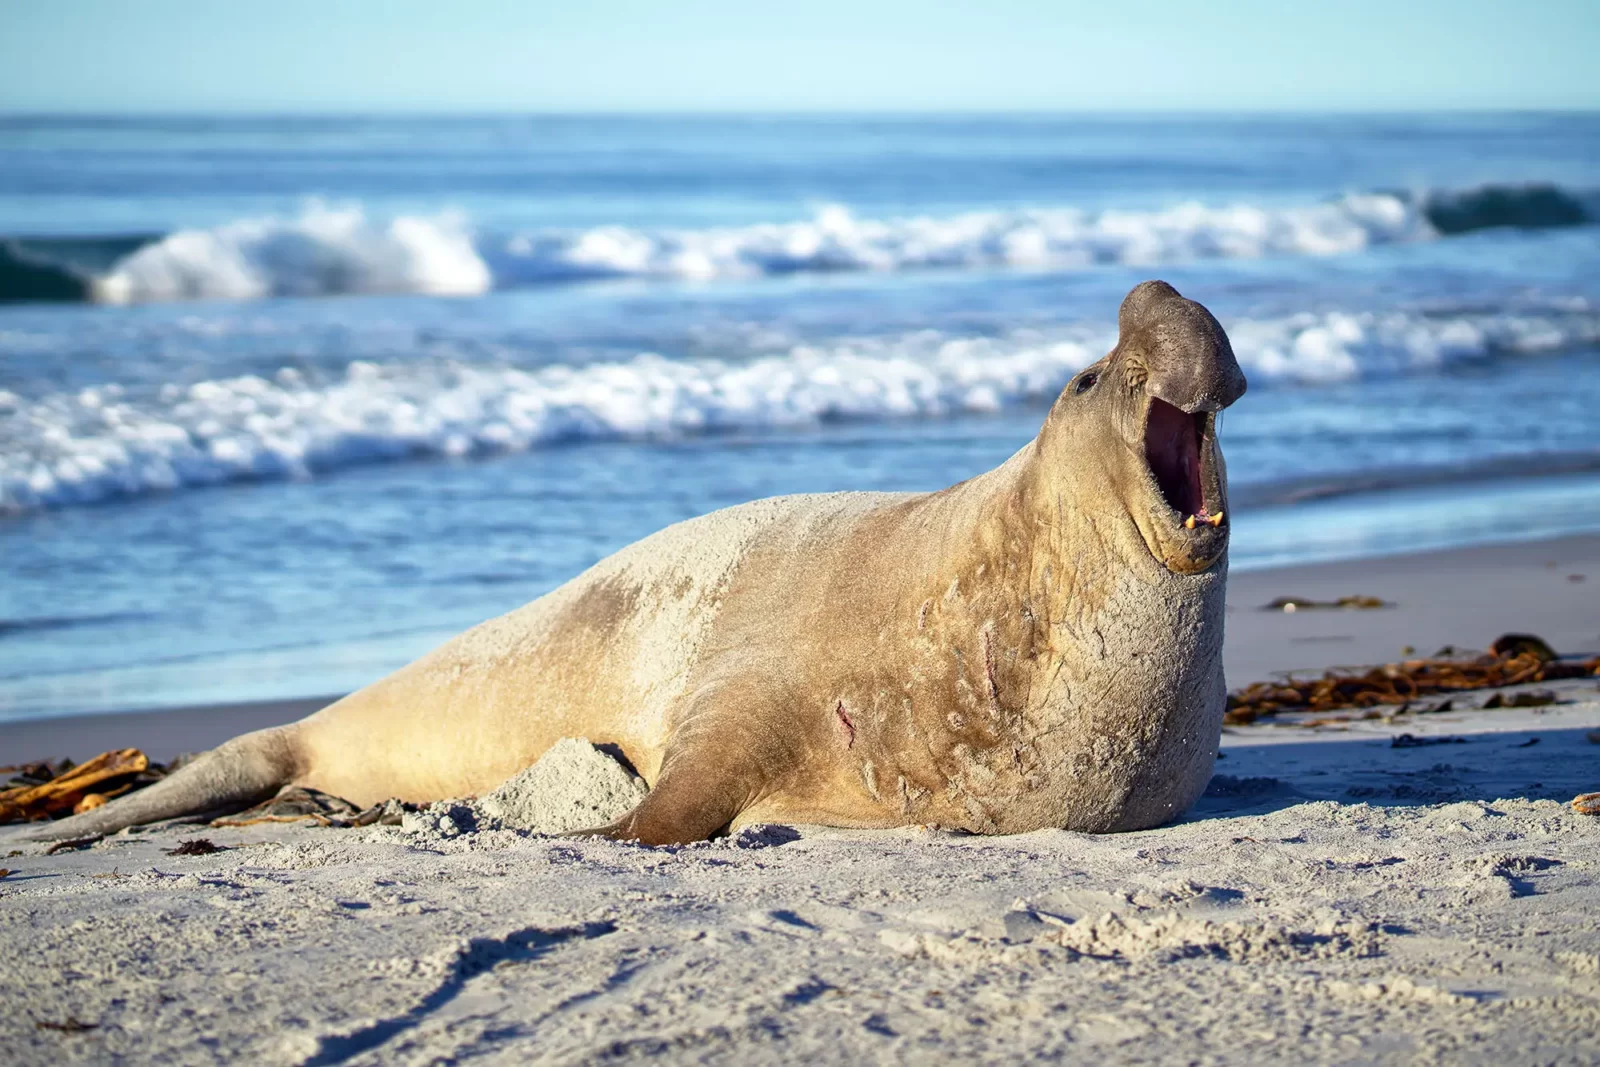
x=1039 y=646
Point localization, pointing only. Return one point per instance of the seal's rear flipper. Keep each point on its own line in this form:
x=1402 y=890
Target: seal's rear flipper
x=234 y=775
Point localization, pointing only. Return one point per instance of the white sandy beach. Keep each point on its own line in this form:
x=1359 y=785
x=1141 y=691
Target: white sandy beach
x=1335 y=898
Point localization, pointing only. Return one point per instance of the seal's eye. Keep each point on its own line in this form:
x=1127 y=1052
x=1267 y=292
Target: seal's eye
x=1085 y=383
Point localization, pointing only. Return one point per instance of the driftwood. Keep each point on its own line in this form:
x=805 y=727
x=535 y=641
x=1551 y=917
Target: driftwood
x=79 y=788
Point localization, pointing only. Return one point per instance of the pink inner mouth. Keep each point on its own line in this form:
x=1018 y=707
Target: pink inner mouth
x=1172 y=443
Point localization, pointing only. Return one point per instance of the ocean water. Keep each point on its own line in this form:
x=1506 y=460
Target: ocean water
x=284 y=402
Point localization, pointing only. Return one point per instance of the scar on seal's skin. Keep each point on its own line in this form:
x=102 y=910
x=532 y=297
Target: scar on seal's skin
x=986 y=640
x=849 y=727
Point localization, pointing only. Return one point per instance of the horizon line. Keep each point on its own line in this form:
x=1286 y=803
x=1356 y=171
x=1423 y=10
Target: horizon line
x=729 y=113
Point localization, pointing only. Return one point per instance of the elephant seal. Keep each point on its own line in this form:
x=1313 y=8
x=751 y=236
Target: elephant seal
x=1038 y=646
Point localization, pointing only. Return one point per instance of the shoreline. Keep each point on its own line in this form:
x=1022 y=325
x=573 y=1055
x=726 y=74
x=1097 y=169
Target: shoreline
x=154 y=665
x=1461 y=597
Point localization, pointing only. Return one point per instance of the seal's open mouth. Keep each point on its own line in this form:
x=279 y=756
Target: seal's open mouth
x=1181 y=450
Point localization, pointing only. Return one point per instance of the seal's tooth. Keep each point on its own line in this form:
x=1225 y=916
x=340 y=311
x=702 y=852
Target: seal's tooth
x=1216 y=520
x=1188 y=524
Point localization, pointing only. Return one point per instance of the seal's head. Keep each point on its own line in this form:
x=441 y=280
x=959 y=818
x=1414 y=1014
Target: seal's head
x=1145 y=420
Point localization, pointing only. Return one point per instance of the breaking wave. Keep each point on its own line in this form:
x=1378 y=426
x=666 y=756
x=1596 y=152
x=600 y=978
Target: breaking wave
x=108 y=441
x=330 y=250
x=1061 y=239
x=323 y=250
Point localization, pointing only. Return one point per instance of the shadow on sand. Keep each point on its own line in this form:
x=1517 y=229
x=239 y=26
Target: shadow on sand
x=1260 y=773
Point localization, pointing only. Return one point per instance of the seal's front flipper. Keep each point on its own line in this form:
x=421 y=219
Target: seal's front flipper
x=724 y=751
x=693 y=800
x=671 y=816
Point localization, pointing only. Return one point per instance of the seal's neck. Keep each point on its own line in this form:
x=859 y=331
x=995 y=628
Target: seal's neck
x=1042 y=555
x=1035 y=515
x=1042 y=655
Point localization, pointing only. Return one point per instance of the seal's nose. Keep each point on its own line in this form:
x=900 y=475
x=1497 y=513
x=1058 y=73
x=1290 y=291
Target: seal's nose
x=1185 y=354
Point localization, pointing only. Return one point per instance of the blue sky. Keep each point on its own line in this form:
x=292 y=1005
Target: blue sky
x=820 y=55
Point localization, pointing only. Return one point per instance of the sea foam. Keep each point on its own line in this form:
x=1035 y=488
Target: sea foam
x=322 y=250
x=108 y=441
x=327 y=250
x=836 y=239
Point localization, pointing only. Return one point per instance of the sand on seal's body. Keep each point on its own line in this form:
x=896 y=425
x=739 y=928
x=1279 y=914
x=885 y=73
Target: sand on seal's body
x=1039 y=646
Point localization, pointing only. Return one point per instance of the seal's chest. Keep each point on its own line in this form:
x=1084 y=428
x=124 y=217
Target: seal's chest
x=1126 y=726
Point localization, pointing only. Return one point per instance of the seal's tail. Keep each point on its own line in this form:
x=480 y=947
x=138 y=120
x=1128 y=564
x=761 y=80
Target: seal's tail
x=234 y=775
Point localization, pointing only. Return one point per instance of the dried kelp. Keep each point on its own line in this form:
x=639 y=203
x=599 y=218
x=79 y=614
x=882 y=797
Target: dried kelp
x=75 y=844
x=1345 y=603
x=1514 y=659
x=66 y=1026
x=197 y=846
x=293 y=804
x=1412 y=741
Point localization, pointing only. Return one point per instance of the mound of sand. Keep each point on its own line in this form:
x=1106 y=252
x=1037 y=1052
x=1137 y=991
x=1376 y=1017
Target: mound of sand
x=574 y=786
